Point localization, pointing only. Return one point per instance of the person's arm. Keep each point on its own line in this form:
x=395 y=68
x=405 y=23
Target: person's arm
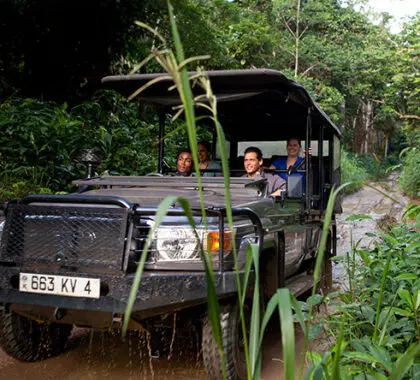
x=279 y=163
x=278 y=184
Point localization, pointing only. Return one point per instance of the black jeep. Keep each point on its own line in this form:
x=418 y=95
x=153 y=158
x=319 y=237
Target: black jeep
x=70 y=259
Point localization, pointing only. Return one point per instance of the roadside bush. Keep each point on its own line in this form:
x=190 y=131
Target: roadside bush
x=410 y=177
x=376 y=321
x=352 y=172
x=37 y=144
x=376 y=168
x=40 y=141
x=358 y=169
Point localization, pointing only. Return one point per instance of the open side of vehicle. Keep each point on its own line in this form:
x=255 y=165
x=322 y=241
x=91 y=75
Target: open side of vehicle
x=70 y=259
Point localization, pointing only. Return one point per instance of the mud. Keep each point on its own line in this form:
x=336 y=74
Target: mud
x=99 y=355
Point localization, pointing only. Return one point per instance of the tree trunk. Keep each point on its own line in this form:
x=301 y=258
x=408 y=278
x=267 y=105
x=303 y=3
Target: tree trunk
x=297 y=37
x=364 y=134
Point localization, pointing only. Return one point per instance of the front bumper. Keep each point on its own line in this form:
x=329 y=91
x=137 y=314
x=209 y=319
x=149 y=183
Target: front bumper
x=159 y=291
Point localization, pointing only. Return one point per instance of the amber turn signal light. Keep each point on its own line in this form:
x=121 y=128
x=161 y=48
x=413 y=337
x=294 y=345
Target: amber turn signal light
x=213 y=242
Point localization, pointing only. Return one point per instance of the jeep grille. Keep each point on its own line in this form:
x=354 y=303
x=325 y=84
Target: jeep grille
x=64 y=235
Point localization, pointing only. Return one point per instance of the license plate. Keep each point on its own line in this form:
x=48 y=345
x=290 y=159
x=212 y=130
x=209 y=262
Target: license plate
x=59 y=285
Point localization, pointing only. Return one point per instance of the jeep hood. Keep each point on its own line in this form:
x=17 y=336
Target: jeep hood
x=150 y=191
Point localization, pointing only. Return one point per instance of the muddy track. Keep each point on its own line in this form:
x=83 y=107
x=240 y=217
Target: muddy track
x=100 y=355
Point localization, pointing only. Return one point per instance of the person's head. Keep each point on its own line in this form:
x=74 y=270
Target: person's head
x=253 y=160
x=184 y=162
x=203 y=148
x=293 y=147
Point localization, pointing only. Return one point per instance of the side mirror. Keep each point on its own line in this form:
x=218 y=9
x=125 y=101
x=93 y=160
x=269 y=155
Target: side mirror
x=294 y=186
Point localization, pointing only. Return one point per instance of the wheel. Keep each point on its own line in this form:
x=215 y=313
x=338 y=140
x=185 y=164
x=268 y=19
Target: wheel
x=29 y=340
x=231 y=329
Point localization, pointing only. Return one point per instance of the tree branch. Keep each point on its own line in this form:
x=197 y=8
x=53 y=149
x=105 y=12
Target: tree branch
x=405 y=116
x=304 y=30
x=309 y=69
x=289 y=29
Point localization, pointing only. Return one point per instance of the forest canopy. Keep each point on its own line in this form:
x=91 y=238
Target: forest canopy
x=363 y=76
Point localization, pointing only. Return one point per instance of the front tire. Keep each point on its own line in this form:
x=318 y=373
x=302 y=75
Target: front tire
x=29 y=340
x=231 y=330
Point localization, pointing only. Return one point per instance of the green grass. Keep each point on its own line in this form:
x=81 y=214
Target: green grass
x=352 y=173
x=410 y=176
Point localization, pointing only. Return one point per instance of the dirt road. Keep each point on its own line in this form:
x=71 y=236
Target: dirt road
x=98 y=355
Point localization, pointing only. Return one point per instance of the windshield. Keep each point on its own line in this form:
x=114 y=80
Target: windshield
x=274 y=148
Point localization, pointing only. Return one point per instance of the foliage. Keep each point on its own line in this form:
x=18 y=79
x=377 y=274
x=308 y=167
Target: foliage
x=381 y=308
x=352 y=172
x=410 y=177
x=339 y=55
x=37 y=144
x=403 y=93
x=376 y=168
x=357 y=169
x=40 y=141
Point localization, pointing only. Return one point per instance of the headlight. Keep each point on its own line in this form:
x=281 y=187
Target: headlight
x=181 y=243
x=177 y=244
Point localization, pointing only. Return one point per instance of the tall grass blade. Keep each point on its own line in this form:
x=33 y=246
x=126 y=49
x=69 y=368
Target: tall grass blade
x=299 y=315
x=193 y=59
x=287 y=334
x=270 y=308
x=160 y=214
x=153 y=31
x=225 y=169
x=147 y=85
x=381 y=293
x=383 y=193
x=185 y=93
x=338 y=345
x=212 y=299
x=255 y=315
x=318 y=264
x=247 y=271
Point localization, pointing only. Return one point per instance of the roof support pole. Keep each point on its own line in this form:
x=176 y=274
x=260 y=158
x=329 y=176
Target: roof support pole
x=321 y=167
x=308 y=182
x=161 y=140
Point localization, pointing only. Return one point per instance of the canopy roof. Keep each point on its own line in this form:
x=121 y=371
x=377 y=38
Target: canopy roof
x=252 y=105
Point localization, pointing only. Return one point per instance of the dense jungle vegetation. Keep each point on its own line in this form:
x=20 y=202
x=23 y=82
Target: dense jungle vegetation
x=364 y=77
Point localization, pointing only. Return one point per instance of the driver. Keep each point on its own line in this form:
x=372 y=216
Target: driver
x=184 y=163
x=253 y=162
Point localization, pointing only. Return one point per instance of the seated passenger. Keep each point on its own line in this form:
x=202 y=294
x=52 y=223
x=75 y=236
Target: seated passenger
x=184 y=163
x=253 y=161
x=206 y=163
x=292 y=160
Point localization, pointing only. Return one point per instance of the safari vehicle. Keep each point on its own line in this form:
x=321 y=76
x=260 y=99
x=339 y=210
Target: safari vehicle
x=70 y=259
